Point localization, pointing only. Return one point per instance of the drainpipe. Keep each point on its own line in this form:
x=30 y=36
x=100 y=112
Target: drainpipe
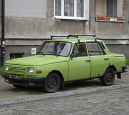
x=2 y=39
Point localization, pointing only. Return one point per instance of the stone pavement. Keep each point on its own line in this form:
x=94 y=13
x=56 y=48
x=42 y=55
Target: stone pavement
x=101 y=102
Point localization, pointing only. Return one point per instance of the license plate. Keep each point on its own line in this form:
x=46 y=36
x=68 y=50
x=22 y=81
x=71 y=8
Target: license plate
x=15 y=76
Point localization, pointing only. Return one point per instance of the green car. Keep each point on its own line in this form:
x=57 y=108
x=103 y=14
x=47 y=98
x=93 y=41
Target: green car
x=59 y=61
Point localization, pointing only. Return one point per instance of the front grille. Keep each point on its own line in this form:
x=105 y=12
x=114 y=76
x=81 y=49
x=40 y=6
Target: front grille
x=17 y=69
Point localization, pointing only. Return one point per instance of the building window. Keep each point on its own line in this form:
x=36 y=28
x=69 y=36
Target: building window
x=58 y=7
x=72 y=9
x=80 y=8
x=109 y=10
x=111 y=7
x=16 y=55
x=69 y=8
x=25 y=8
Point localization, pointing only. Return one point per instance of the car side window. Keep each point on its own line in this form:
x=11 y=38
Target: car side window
x=94 y=49
x=79 y=49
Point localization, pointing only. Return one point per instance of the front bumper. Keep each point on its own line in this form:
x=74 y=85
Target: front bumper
x=24 y=81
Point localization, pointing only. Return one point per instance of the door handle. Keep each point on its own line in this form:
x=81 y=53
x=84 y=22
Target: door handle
x=105 y=58
x=88 y=60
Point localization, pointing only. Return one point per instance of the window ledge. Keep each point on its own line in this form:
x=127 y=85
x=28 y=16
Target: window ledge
x=70 y=18
x=109 y=19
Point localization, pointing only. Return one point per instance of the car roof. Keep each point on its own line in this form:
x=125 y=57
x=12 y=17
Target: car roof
x=75 y=40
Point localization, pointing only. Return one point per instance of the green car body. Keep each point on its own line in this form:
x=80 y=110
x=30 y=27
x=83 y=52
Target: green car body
x=51 y=70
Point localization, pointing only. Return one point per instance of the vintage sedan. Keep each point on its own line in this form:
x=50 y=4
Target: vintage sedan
x=59 y=61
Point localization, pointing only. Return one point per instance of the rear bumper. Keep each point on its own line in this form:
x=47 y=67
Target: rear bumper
x=123 y=70
x=24 y=81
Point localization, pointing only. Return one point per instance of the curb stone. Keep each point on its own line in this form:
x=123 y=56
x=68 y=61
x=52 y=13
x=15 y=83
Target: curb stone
x=60 y=94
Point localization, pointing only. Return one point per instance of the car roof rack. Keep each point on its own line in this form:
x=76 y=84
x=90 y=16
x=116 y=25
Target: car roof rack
x=76 y=36
x=82 y=35
x=57 y=36
x=67 y=37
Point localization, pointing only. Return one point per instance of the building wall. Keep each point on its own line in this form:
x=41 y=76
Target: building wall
x=37 y=28
x=42 y=27
x=21 y=47
x=110 y=29
x=17 y=28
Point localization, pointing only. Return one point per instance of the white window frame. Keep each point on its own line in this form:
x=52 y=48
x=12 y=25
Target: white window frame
x=75 y=10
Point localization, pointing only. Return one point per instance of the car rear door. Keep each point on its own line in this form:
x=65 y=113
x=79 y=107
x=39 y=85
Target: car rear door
x=99 y=59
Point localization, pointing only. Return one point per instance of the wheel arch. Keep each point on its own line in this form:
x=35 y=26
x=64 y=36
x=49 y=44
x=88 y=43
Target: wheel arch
x=58 y=73
x=113 y=67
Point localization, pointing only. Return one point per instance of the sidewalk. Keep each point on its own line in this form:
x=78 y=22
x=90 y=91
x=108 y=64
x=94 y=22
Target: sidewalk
x=29 y=96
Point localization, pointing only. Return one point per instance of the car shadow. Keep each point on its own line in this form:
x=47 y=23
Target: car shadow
x=81 y=85
x=67 y=87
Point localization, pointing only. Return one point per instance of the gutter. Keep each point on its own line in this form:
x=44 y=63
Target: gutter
x=2 y=39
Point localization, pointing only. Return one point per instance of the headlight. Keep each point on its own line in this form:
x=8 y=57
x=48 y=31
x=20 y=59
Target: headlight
x=6 y=68
x=30 y=70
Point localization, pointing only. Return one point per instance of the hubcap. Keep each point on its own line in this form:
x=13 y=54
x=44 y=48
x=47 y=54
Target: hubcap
x=52 y=83
x=109 y=77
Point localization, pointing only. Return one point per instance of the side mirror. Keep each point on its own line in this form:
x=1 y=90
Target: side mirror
x=73 y=55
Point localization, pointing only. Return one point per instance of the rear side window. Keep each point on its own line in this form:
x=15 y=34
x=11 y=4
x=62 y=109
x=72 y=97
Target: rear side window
x=94 y=49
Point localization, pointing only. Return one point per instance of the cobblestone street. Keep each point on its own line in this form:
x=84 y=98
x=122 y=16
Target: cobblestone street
x=110 y=102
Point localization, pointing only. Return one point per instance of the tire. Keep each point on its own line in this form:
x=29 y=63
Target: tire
x=18 y=86
x=52 y=83
x=108 y=78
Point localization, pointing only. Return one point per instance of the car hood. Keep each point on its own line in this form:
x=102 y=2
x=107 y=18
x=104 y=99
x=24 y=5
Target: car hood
x=38 y=60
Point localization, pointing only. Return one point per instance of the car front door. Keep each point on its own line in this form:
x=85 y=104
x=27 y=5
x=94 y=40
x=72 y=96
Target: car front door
x=99 y=60
x=79 y=64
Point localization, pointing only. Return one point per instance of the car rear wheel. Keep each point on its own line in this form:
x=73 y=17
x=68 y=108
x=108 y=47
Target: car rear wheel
x=52 y=83
x=108 y=77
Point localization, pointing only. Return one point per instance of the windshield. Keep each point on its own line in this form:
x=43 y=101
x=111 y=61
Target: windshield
x=55 y=48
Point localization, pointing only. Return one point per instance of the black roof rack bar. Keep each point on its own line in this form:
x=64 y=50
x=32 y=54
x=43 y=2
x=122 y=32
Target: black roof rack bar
x=74 y=36
x=81 y=35
x=57 y=36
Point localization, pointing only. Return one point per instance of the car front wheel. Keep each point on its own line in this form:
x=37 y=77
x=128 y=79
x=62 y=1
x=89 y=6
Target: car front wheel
x=108 y=77
x=52 y=83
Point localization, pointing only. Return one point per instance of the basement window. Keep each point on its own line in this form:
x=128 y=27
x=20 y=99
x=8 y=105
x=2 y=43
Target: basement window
x=16 y=55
